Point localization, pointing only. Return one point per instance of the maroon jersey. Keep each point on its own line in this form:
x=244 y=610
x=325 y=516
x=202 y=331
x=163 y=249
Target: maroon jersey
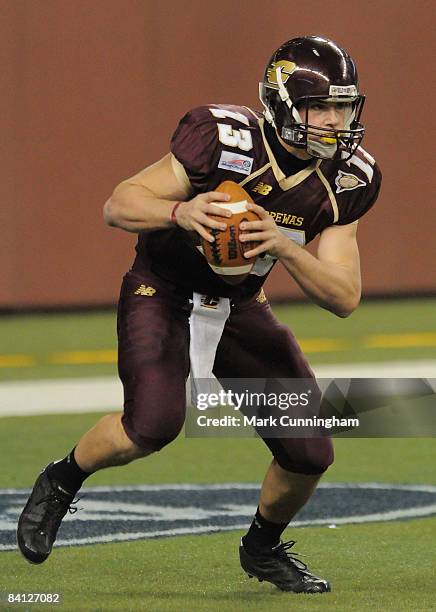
x=223 y=142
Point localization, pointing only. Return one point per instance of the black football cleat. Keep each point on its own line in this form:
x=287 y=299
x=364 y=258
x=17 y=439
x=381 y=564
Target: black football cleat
x=39 y=522
x=282 y=569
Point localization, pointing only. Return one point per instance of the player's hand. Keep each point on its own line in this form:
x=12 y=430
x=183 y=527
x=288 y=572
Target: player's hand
x=265 y=232
x=193 y=215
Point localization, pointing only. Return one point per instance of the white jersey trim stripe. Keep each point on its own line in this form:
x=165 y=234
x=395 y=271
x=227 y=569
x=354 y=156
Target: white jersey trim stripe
x=255 y=174
x=331 y=195
x=286 y=182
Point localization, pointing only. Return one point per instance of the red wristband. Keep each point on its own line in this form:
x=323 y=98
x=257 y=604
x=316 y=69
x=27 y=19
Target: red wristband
x=173 y=212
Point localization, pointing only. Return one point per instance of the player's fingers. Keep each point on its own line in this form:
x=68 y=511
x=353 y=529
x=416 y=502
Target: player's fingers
x=202 y=231
x=220 y=211
x=262 y=248
x=212 y=223
x=216 y=196
x=249 y=226
x=257 y=209
x=254 y=236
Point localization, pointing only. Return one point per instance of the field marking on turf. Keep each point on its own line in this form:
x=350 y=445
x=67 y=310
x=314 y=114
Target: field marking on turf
x=17 y=361
x=309 y=345
x=383 y=369
x=418 y=512
x=324 y=345
x=86 y=357
x=242 y=486
x=104 y=393
x=60 y=396
x=400 y=340
x=238 y=510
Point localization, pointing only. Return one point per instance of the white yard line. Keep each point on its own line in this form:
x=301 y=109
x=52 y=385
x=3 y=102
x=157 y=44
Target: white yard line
x=380 y=369
x=104 y=393
x=60 y=396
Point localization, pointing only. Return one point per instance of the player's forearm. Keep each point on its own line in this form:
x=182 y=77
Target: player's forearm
x=134 y=208
x=331 y=286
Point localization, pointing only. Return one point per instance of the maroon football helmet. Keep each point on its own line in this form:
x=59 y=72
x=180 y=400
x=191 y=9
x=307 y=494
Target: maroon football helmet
x=300 y=73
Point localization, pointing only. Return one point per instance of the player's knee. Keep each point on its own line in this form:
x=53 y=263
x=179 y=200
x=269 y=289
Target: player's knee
x=152 y=434
x=312 y=456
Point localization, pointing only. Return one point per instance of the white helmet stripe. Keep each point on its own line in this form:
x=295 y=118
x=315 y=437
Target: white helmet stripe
x=267 y=112
x=284 y=95
x=283 y=92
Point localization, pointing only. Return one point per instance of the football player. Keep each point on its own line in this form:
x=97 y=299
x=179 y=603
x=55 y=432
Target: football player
x=302 y=163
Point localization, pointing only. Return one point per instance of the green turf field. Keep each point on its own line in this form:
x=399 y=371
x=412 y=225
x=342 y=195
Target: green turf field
x=366 y=564
x=399 y=460
x=377 y=566
x=47 y=346
x=384 y=566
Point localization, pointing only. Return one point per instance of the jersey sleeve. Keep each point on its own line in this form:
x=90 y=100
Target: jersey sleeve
x=216 y=143
x=355 y=202
x=195 y=146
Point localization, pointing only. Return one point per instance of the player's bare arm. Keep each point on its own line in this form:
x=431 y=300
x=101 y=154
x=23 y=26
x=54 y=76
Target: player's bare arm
x=332 y=279
x=146 y=202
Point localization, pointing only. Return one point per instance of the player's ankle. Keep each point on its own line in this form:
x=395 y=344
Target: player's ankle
x=262 y=534
x=68 y=473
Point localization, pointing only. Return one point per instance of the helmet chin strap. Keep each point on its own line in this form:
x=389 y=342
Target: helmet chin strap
x=266 y=112
x=321 y=149
x=350 y=119
x=284 y=95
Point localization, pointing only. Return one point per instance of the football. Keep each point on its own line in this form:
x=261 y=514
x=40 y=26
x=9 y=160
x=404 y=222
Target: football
x=226 y=254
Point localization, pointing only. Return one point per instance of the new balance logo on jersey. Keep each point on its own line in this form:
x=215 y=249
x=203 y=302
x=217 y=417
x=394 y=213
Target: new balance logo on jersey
x=262 y=188
x=145 y=290
x=347 y=182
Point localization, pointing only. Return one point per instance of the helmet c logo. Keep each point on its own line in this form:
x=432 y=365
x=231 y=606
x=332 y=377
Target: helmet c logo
x=287 y=69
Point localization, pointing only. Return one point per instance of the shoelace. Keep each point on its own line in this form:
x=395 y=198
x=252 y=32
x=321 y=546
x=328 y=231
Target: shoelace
x=290 y=557
x=48 y=518
x=56 y=498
